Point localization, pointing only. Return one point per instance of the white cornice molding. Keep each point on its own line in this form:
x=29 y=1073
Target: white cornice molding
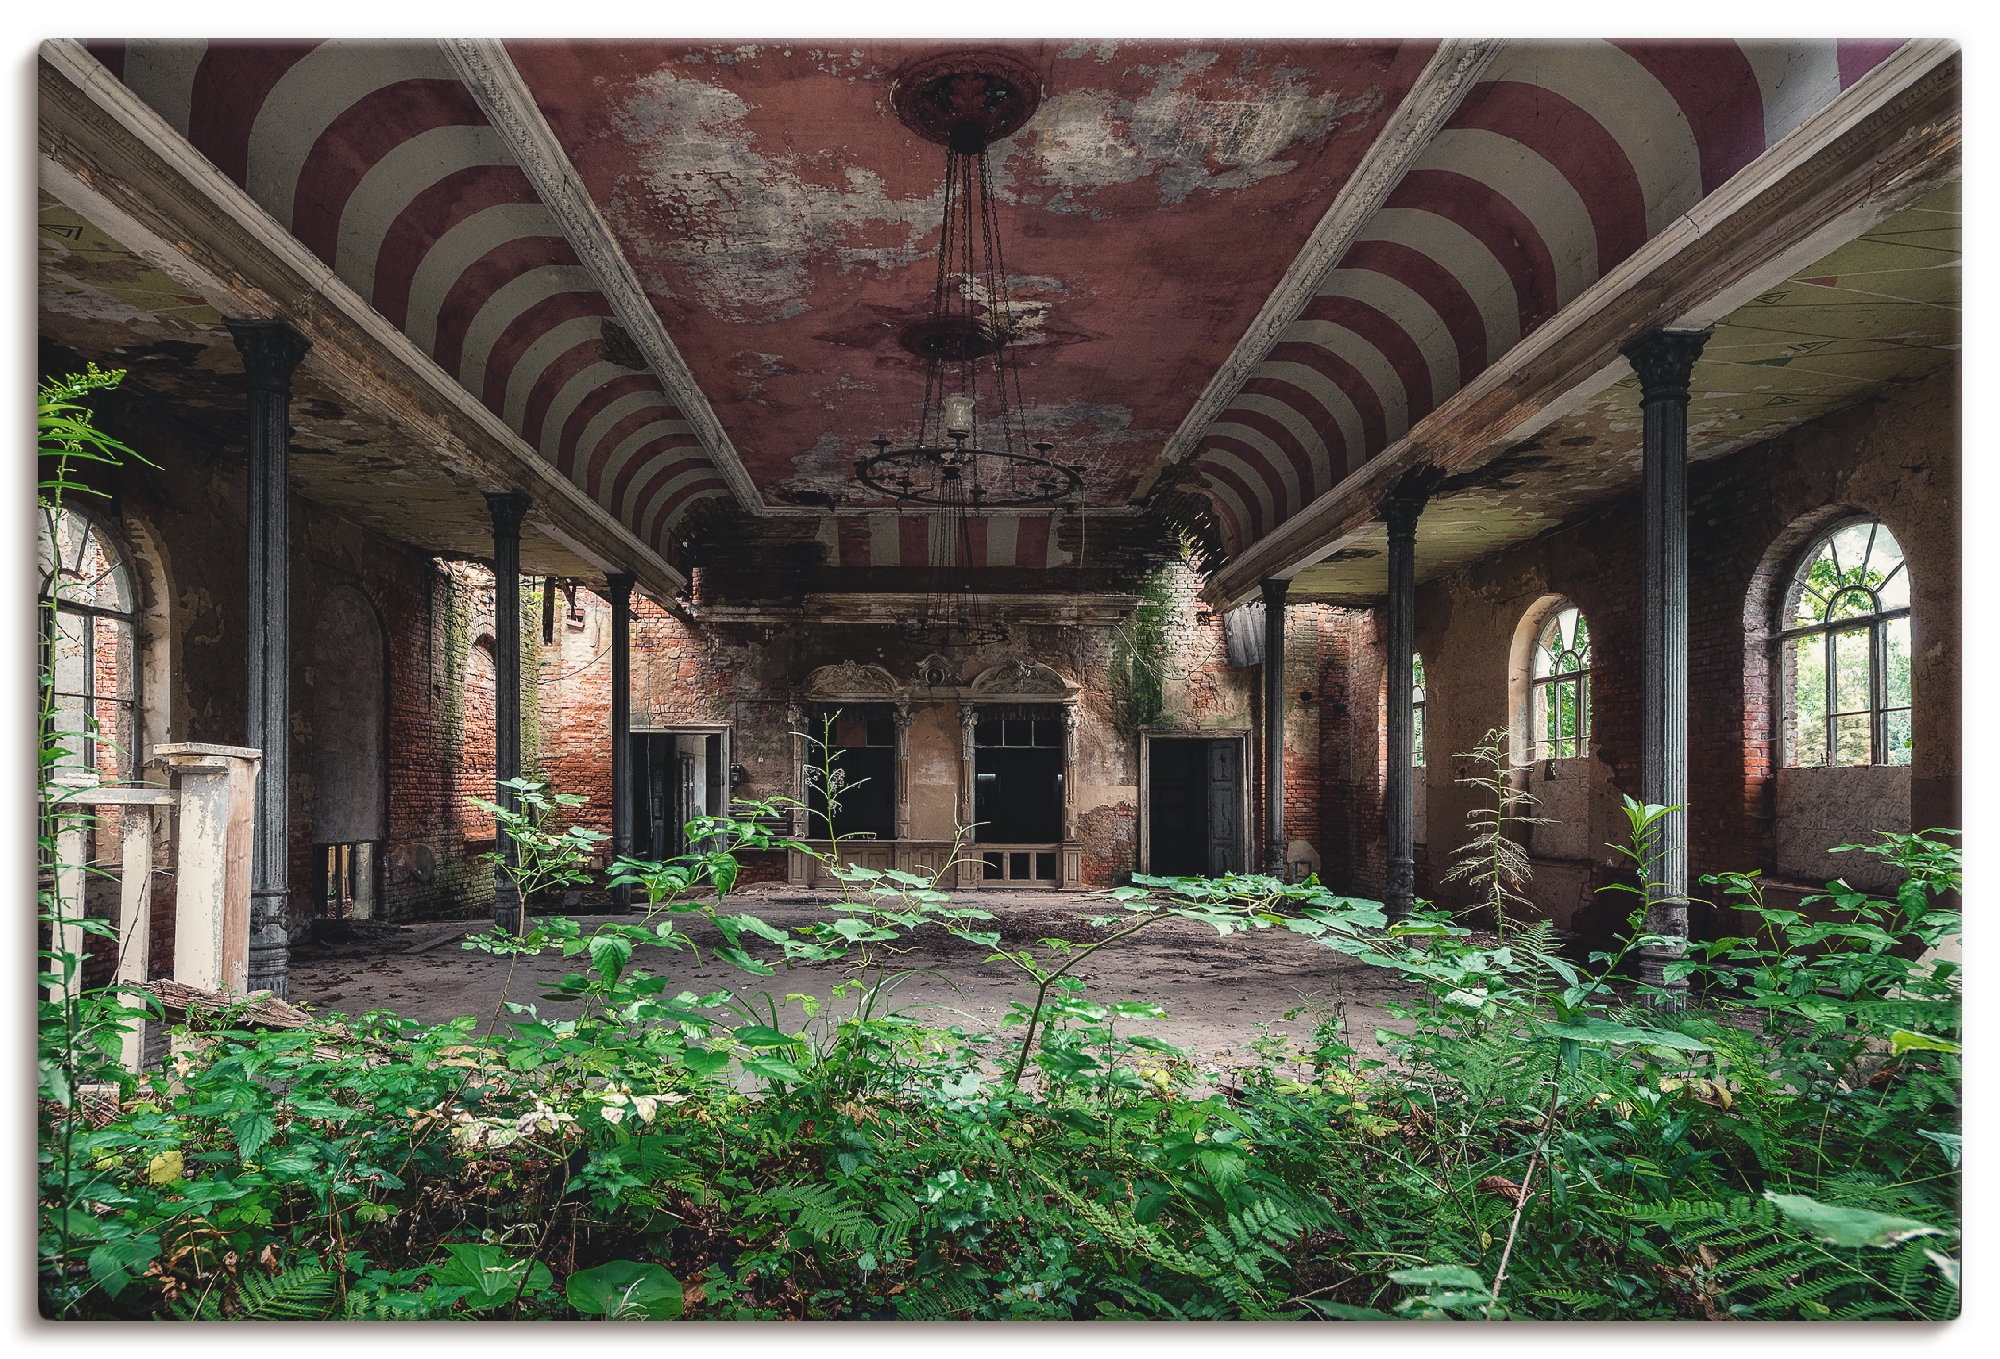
x=291 y=282
x=1422 y=113
x=496 y=84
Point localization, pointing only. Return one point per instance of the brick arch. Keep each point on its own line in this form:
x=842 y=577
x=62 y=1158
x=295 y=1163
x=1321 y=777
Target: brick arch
x=476 y=771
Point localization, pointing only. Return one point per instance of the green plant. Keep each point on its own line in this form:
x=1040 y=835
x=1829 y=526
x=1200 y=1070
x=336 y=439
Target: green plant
x=546 y=855
x=1493 y=863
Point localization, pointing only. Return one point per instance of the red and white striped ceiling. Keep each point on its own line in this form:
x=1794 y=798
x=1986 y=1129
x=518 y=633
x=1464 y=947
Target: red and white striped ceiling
x=779 y=222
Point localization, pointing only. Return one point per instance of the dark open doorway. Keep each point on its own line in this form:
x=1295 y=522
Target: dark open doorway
x=676 y=777
x=1194 y=806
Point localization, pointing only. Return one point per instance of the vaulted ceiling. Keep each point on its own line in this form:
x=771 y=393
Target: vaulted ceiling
x=678 y=271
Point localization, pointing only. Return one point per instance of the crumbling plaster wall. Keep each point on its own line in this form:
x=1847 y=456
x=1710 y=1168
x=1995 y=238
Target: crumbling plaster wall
x=746 y=674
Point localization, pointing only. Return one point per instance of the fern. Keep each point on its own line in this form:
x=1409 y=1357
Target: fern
x=302 y=1293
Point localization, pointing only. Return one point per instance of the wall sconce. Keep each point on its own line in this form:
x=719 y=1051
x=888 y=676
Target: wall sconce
x=1308 y=697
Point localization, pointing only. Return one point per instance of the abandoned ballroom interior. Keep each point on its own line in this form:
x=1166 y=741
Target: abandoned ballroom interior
x=1105 y=457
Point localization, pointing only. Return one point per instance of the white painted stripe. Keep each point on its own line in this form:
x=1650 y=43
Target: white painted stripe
x=1373 y=365
x=1628 y=103
x=1226 y=428
x=1003 y=539
x=656 y=504
x=535 y=360
x=885 y=544
x=629 y=446
x=587 y=380
x=660 y=534
x=1339 y=407
x=1465 y=257
x=1267 y=501
x=1797 y=80
x=456 y=251
x=319 y=87
x=393 y=183
x=601 y=423
x=1246 y=522
x=505 y=304
x=1407 y=308
x=1536 y=188
x=162 y=73
x=1318 y=456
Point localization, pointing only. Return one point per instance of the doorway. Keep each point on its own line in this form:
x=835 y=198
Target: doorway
x=677 y=775
x=1194 y=806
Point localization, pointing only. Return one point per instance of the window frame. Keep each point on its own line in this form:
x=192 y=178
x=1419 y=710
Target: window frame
x=1786 y=636
x=1540 y=686
x=51 y=597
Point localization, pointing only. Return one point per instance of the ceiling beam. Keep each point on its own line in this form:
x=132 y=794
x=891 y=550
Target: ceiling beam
x=1881 y=144
x=111 y=157
x=1428 y=105
x=496 y=83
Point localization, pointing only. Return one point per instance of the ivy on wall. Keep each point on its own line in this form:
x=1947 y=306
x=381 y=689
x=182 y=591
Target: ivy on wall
x=1139 y=655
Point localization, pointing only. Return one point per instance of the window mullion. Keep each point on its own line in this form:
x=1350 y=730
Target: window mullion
x=1878 y=691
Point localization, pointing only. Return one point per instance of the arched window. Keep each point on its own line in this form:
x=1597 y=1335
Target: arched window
x=88 y=646
x=1416 y=711
x=1560 y=701
x=1845 y=639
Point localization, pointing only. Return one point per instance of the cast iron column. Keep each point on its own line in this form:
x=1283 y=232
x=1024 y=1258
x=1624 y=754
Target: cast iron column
x=271 y=350
x=1664 y=360
x=1400 y=512
x=618 y=589
x=1274 y=725
x=508 y=509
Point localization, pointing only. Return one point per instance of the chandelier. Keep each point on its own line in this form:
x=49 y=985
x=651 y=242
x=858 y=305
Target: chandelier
x=972 y=452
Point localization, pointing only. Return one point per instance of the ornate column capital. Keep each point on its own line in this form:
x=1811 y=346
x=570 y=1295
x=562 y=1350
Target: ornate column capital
x=1404 y=505
x=1274 y=591
x=617 y=586
x=508 y=509
x=1664 y=361
x=270 y=350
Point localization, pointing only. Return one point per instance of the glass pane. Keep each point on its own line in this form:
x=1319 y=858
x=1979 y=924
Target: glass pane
x=1816 y=584
x=1895 y=591
x=1896 y=733
x=1417 y=737
x=986 y=734
x=1045 y=866
x=1580 y=637
x=1851 y=604
x=1853 y=741
x=1417 y=675
x=1582 y=715
x=1849 y=549
x=1017 y=865
x=1852 y=690
x=1896 y=660
x=1553 y=642
x=1809 y=700
x=1019 y=732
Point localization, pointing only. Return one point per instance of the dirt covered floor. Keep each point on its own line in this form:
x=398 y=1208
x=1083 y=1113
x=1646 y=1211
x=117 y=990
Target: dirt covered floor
x=1220 y=994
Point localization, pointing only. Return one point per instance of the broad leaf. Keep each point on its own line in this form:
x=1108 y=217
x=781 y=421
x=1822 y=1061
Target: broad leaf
x=1849 y=1226
x=626 y=1290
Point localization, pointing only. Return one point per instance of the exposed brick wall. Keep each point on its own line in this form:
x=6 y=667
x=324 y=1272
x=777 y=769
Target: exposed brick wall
x=1750 y=514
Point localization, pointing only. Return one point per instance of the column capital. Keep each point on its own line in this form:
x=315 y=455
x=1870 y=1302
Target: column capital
x=618 y=586
x=1274 y=592
x=1664 y=361
x=270 y=350
x=1401 y=508
x=508 y=509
